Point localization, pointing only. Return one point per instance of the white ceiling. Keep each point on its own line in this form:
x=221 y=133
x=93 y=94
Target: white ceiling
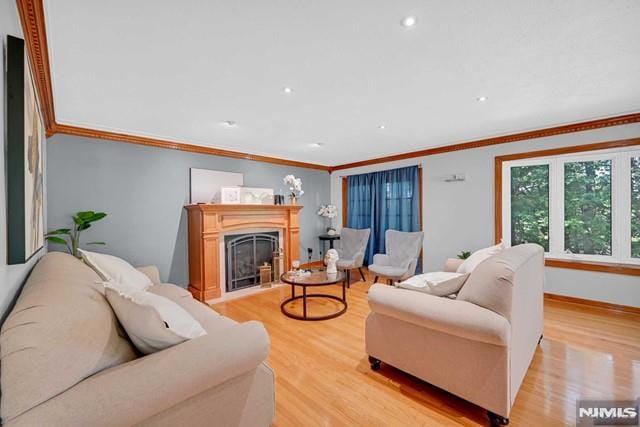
x=178 y=69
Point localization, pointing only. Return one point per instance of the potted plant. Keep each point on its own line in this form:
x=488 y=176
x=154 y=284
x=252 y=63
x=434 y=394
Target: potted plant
x=295 y=188
x=70 y=237
x=464 y=255
x=329 y=212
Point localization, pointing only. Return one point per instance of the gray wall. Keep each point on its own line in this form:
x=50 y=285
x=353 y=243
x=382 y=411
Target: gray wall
x=143 y=190
x=11 y=276
x=460 y=215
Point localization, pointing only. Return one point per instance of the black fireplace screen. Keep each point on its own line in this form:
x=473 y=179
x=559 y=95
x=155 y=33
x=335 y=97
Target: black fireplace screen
x=245 y=253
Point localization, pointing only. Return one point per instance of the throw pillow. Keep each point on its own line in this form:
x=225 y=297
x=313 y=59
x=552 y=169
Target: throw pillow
x=478 y=256
x=437 y=283
x=112 y=268
x=152 y=322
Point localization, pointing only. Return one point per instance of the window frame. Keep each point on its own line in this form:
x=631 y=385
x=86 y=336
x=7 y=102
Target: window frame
x=620 y=154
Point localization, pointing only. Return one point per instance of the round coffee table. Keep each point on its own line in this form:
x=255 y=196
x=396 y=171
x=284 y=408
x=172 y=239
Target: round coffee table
x=316 y=278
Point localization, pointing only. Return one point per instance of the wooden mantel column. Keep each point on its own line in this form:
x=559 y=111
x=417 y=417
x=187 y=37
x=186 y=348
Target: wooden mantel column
x=208 y=222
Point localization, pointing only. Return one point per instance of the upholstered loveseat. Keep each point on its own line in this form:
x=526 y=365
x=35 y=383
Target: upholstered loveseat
x=478 y=345
x=66 y=361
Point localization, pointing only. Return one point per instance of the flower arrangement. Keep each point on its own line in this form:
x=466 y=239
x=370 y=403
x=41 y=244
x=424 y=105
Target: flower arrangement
x=329 y=212
x=295 y=186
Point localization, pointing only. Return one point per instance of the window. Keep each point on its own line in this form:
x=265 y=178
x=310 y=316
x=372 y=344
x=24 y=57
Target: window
x=581 y=206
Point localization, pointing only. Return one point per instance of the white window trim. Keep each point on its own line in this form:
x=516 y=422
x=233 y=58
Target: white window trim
x=620 y=203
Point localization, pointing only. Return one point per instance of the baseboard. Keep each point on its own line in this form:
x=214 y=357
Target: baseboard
x=593 y=303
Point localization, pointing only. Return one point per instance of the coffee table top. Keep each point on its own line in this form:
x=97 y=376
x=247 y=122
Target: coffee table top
x=316 y=278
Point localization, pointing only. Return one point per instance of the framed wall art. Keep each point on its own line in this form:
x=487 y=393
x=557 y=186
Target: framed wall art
x=25 y=163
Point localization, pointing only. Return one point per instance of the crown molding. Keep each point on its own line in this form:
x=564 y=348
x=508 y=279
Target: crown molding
x=160 y=143
x=521 y=136
x=33 y=25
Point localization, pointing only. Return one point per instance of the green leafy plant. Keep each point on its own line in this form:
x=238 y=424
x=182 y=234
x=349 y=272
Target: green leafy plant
x=70 y=237
x=464 y=255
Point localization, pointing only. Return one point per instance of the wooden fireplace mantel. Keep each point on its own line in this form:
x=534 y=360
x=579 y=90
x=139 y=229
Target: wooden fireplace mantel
x=208 y=222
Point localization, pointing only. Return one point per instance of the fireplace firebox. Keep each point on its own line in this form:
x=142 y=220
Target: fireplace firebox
x=244 y=254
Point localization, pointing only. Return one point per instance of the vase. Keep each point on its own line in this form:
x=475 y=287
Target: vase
x=331 y=231
x=293 y=200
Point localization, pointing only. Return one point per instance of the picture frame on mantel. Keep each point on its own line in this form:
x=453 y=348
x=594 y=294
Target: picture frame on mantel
x=25 y=158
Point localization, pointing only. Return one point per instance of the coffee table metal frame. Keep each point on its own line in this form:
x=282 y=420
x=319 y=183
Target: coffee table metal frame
x=340 y=277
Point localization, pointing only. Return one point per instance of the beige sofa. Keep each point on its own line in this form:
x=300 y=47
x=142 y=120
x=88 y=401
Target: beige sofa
x=477 y=346
x=65 y=361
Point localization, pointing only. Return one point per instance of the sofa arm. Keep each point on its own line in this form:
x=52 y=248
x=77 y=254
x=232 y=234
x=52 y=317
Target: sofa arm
x=452 y=264
x=459 y=318
x=152 y=272
x=132 y=392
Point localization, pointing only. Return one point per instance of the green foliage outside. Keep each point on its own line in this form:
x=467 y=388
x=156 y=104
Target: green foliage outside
x=530 y=205
x=635 y=207
x=70 y=237
x=587 y=207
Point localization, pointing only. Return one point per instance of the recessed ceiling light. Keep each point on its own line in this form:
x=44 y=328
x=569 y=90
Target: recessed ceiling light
x=229 y=123
x=481 y=98
x=287 y=89
x=382 y=127
x=317 y=144
x=409 y=21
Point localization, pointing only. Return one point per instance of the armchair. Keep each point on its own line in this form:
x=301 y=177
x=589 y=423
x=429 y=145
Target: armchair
x=354 y=243
x=401 y=259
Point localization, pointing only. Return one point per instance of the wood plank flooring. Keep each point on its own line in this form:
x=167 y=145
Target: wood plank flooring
x=323 y=376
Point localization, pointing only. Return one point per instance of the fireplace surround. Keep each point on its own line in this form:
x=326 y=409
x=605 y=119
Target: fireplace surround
x=207 y=225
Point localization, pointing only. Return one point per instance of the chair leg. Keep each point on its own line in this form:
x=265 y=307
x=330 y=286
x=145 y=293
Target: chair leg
x=375 y=280
x=362 y=274
x=348 y=278
x=497 y=420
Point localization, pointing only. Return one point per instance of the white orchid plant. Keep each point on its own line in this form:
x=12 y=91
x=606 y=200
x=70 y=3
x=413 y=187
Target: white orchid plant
x=328 y=211
x=295 y=186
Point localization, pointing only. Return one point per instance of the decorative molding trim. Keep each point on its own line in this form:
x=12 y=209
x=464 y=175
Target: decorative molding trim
x=33 y=26
x=627 y=269
x=522 y=136
x=592 y=303
x=159 y=143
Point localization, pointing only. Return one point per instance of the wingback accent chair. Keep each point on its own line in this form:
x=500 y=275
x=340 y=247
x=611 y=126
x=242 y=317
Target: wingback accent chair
x=354 y=243
x=401 y=259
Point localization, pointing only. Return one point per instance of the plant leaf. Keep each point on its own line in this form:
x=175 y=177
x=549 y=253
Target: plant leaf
x=85 y=214
x=83 y=226
x=57 y=240
x=96 y=243
x=96 y=217
x=59 y=231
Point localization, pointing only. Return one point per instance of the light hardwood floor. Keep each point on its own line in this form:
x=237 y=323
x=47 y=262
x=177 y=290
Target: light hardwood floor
x=323 y=376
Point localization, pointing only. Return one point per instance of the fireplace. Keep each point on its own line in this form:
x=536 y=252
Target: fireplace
x=244 y=254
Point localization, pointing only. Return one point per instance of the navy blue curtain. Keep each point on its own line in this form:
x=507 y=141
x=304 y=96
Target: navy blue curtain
x=381 y=201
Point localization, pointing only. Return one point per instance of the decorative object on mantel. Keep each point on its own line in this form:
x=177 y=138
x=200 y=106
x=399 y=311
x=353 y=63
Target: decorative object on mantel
x=329 y=212
x=330 y=259
x=295 y=188
x=246 y=195
x=24 y=161
x=81 y=222
x=265 y=275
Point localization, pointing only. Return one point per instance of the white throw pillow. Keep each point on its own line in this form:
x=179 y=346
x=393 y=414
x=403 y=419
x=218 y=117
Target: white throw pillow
x=112 y=268
x=152 y=322
x=478 y=256
x=439 y=283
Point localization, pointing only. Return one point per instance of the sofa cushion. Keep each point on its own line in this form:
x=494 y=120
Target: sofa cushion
x=210 y=320
x=61 y=331
x=490 y=283
x=153 y=322
x=111 y=267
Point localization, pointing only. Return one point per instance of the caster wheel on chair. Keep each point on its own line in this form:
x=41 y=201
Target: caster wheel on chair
x=375 y=363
